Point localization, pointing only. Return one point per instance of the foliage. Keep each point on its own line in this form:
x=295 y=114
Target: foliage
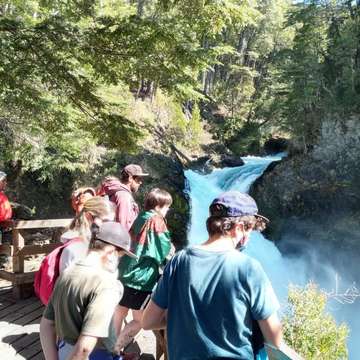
x=170 y=123
x=320 y=72
x=245 y=81
x=50 y=111
x=71 y=71
x=311 y=331
x=295 y=65
x=195 y=126
x=58 y=57
x=246 y=140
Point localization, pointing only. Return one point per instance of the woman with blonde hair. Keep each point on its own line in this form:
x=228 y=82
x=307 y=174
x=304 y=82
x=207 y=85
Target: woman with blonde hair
x=94 y=212
x=78 y=199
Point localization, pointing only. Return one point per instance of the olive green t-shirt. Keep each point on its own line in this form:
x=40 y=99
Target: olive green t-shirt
x=83 y=302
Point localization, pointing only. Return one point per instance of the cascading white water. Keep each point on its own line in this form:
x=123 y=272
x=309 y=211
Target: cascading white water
x=202 y=189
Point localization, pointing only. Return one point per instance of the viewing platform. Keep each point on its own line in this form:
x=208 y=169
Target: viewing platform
x=19 y=329
x=21 y=311
x=19 y=326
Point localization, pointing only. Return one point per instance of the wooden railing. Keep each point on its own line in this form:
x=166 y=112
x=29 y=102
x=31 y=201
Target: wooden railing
x=17 y=250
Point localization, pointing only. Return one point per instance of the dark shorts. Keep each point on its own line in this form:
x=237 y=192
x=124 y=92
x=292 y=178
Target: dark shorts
x=135 y=299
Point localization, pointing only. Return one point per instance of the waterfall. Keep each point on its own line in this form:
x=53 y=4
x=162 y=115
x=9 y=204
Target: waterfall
x=282 y=271
x=204 y=188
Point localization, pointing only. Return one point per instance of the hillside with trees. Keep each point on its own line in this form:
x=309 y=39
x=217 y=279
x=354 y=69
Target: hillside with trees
x=87 y=86
x=85 y=74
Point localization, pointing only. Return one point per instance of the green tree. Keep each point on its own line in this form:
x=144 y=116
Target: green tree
x=57 y=56
x=319 y=73
x=246 y=81
x=309 y=329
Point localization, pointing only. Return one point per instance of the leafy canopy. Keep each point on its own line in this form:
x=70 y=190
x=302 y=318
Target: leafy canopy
x=57 y=56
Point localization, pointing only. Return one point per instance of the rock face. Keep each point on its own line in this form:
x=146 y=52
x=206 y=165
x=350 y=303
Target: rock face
x=221 y=161
x=51 y=199
x=231 y=161
x=316 y=197
x=207 y=164
x=276 y=145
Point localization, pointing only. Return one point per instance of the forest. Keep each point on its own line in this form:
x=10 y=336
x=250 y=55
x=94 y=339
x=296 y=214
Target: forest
x=103 y=75
x=86 y=85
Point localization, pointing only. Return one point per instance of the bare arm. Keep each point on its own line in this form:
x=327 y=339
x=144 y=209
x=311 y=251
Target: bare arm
x=48 y=339
x=271 y=329
x=154 y=317
x=83 y=347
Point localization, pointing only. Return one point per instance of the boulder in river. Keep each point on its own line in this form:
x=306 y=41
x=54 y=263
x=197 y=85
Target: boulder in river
x=276 y=145
x=313 y=198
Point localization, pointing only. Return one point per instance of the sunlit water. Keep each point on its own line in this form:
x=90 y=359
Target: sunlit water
x=202 y=189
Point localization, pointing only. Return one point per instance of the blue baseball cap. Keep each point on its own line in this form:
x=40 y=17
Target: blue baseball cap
x=234 y=204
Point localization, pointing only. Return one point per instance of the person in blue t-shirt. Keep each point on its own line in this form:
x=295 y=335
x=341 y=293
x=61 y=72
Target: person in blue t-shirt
x=210 y=294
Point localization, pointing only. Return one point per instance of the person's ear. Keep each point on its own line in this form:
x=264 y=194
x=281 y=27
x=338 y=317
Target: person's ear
x=235 y=230
x=239 y=227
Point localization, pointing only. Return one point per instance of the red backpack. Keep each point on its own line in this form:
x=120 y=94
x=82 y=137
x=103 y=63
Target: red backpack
x=46 y=276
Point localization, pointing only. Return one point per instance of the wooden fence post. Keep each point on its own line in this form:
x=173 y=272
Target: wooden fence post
x=17 y=260
x=18 y=251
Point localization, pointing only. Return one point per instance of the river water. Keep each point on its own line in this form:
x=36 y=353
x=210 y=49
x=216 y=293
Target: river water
x=282 y=271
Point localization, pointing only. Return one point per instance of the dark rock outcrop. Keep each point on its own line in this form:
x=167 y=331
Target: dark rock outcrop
x=206 y=164
x=231 y=161
x=316 y=197
x=276 y=145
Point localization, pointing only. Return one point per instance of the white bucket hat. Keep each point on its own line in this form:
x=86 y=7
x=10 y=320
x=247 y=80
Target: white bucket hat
x=2 y=175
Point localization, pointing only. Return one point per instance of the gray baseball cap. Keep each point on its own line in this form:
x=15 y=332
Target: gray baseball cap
x=134 y=170
x=115 y=234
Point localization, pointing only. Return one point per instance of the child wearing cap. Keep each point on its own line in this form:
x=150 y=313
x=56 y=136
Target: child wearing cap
x=77 y=322
x=150 y=241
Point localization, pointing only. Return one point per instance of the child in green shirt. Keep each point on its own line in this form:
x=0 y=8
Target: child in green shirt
x=150 y=241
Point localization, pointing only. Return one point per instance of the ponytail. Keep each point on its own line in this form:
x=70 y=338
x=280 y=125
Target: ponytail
x=96 y=207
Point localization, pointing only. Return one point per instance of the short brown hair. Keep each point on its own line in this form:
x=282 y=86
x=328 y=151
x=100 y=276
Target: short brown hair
x=217 y=225
x=124 y=176
x=98 y=245
x=157 y=197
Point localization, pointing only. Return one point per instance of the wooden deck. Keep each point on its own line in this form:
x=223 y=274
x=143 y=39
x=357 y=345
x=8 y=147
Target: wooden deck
x=19 y=329
x=19 y=326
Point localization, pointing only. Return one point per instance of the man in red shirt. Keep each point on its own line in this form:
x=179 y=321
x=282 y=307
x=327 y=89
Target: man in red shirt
x=5 y=207
x=120 y=192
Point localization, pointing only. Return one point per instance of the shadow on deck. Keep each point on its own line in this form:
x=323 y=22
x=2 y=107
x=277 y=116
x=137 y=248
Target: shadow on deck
x=19 y=326
x=19 y=329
